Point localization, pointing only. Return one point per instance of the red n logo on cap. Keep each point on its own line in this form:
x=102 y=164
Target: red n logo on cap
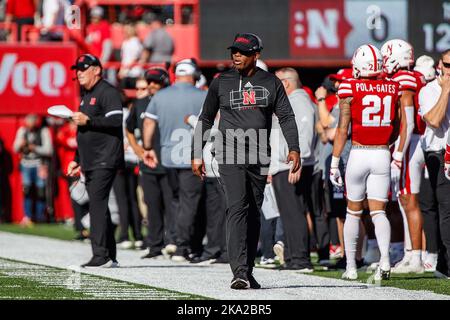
x=248 y=97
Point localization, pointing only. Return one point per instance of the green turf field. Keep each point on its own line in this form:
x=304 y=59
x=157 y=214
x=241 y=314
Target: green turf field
x=425 y=281
x=55 y=231
x=19 y=280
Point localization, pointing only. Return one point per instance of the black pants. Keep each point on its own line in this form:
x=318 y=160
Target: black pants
x=157 y=197
x=268 y=236
x=441 y=187
x=215 y=219
x=99 y=183
x=125 y=185
x=429 y=207
x=22 y=22
x=244 y=193
x=189 y=189
x=291 y=203
x=314 y=197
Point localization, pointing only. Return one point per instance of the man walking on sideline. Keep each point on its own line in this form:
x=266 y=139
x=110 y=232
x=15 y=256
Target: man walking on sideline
x=100 y=153
x=247 y=96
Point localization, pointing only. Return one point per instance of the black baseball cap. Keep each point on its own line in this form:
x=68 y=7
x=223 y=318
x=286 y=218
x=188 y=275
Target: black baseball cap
x=85 y=61
x=247 y=42
x=157 y=74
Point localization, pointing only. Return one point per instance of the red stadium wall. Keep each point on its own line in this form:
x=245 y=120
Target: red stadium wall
x=32 y=78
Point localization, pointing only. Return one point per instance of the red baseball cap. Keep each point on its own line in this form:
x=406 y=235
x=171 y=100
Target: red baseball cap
x=342 y=74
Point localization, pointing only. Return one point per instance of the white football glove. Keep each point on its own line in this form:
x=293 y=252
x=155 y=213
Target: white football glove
x=335 y=177
x=396 y=168
x=447 y=170
x=395 y=175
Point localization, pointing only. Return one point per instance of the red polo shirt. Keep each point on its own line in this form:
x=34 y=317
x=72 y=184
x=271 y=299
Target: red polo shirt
x=20 y=8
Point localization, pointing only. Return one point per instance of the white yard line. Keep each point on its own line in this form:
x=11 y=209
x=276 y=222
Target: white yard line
x=208 y=281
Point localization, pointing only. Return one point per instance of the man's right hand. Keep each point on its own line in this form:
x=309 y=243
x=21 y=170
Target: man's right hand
x=321 y=92
x=73 y=169
x=335 y=177
x=447 y=170
x=150 y=158
x=396 y=167
x=444 y=82
x=198 y=168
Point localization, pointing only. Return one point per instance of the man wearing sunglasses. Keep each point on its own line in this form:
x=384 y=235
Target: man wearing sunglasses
x=434 y=108
x=246 y=96
x=100 y=153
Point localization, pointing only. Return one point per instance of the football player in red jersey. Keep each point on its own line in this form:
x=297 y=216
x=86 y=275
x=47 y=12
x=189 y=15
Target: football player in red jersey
x=369 y=105
x=408 y=157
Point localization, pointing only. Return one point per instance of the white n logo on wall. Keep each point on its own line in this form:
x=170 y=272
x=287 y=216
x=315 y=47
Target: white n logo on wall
x=318 y=27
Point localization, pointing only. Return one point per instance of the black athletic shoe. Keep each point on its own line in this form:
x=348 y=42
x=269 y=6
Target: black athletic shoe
x=202 y=259
x=298 y=267
x=342 y=264
x=239 y=283
x=253 y=283
x=442 y=272
x=79 y=237
x=151 y=255
x=221 y=259
x=101 y=263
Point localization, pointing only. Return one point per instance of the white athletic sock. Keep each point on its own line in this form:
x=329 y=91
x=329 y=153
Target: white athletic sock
x=432 y=257
x=408 y=243
x=424 y=255
x=383 y=234
x=351 y=234
x=416 y=257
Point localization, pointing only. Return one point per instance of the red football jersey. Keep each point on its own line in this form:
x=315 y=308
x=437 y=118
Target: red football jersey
x=373 y=109
x=96 y=34
x=414 y=81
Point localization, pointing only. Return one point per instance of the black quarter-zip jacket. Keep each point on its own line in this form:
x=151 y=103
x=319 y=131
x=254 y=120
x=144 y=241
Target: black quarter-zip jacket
x=246 y=103
x=100 y=143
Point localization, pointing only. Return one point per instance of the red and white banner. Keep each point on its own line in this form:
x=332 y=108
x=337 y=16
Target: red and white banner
x=34 y=77
x=335 y=28
x=317 y=28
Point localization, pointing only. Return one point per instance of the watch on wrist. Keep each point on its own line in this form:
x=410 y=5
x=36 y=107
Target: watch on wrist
x=320 y=99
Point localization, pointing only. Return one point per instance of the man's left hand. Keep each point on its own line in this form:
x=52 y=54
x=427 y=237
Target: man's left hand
x=80 y=119
x=294 y=156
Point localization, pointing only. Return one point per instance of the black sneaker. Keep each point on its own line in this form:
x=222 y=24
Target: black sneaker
x=239 y=283
x=101 y=263
x=202 y=259
x=297 y=267
x=342 y=264
x=221 y=259
x=79 y=237
x=253 y=283
x=153 y=254
x=441 y=272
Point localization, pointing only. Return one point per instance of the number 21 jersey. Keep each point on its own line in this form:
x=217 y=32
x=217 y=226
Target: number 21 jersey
x=373 y=109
